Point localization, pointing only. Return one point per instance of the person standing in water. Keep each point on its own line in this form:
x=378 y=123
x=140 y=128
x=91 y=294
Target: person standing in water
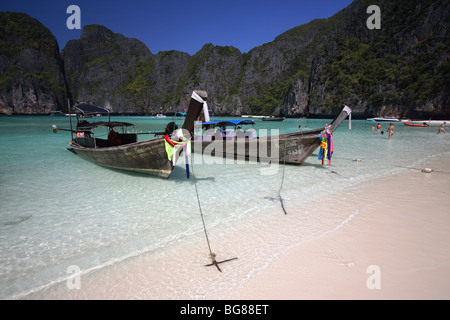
x=391 y=130
x=441 y=128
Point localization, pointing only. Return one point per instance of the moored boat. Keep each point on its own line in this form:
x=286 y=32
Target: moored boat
x=122 y=150
x=290 y=148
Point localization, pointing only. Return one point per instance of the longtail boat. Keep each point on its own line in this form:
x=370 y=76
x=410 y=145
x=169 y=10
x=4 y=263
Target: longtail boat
x=122 y=150
x=290 y=148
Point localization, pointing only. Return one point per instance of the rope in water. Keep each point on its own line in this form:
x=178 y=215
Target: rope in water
x=212 y=254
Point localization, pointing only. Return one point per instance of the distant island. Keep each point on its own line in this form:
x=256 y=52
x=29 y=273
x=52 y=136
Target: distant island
x=400 y=70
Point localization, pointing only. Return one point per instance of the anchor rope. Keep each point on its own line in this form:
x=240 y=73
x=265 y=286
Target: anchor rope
x=282 y=176
x=282 y=179
x=212 y=255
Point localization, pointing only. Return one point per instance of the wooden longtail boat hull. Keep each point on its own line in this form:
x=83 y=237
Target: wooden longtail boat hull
x=148 y=157
x=291 y=148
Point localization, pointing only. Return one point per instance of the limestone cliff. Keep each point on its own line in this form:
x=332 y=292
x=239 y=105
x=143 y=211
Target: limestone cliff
x=401 y=69
x=31 y=69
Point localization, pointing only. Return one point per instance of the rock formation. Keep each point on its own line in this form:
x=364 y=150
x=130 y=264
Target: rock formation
x=401 y=69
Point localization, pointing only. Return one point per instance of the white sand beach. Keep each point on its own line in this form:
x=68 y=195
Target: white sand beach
x=399 y=242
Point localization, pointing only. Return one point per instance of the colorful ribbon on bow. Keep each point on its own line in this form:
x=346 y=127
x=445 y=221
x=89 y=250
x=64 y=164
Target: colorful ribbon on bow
x=326 y=145
x=172 y=148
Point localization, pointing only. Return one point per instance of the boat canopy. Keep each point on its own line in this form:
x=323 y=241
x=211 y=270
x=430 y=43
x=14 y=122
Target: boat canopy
x=228 y=123
x=92 y=125
x=88 y=109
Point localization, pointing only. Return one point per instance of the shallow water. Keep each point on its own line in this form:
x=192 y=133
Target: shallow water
x=58 y=210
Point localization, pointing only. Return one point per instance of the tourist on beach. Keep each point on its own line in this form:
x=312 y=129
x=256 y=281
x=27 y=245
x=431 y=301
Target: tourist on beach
x=391 y=130
x=299 y=128
x=441 y=128
x=378 y=127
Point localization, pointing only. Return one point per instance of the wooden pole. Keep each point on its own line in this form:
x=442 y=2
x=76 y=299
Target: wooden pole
x=56 y=129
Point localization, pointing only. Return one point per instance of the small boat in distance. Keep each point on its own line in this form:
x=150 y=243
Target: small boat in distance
x=410 y=124
x=272 y=118
x=251 y=116
x=160 y=115
x=56 y=113
x=383 y=119
x=122 y=150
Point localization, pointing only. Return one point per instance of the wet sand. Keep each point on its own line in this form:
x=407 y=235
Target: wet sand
x=397 y=247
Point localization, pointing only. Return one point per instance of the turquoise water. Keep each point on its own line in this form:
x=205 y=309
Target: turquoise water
x=58 y=210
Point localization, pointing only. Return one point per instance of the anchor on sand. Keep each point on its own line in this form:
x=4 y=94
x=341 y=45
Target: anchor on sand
x=211 y=254
x=216 y=263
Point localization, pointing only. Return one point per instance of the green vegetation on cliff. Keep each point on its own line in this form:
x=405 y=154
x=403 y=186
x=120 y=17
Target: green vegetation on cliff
x=311 y=69
x=394 y=66
x=19 y=31
x=29 y=62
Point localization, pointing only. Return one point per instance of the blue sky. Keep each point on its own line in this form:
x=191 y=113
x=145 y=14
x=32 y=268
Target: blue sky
x=182 y=25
